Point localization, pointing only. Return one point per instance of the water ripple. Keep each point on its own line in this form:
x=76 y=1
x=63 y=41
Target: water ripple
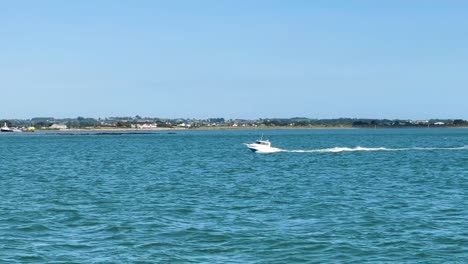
x=201 y=197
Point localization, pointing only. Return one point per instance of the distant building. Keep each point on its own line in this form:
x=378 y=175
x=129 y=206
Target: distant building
x=421 y=122
x=439 y=123
x=58 y=126
x=184 y=125
x=146 y=126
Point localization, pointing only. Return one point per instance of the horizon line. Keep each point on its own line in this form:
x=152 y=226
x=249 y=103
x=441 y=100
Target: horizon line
x=207 y=118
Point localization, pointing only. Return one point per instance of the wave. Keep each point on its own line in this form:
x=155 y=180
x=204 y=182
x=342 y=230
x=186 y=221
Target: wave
x=345 y=149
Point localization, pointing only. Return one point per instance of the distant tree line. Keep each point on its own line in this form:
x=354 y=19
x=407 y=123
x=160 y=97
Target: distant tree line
x=409 y=123
x=127 y=122
x=359 y=122
x=81 y=122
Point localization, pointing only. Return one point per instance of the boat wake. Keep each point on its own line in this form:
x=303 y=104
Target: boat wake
x=344 y=149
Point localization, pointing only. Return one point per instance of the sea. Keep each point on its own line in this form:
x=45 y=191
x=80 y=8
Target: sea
x=329 y=196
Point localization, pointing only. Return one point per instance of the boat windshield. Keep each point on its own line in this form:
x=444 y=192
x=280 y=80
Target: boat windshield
x=263 y=142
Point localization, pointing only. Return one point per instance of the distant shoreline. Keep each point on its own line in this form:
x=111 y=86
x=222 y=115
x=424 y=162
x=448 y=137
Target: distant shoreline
x=157 y=124
x=107 y=129
x=317 y=128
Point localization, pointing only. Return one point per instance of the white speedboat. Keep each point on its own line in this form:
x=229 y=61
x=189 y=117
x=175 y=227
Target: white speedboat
x=5 y=128
x=262 y=146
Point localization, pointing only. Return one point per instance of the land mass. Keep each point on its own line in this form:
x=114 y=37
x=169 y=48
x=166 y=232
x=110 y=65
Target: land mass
x=151 y=123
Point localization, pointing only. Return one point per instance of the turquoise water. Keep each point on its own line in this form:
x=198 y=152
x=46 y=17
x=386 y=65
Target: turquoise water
x=202 y=197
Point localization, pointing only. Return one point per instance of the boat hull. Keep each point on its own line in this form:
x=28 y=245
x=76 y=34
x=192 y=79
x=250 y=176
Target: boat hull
x=262 y=148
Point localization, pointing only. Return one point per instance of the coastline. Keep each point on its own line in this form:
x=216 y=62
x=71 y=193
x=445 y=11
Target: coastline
x=206 y=128
x=107 y=129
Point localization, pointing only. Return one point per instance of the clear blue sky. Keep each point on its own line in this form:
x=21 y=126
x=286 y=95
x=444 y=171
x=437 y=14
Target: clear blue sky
x=245 y=59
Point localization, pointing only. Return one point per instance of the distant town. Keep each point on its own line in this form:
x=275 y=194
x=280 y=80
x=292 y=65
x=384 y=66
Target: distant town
x=148 y=123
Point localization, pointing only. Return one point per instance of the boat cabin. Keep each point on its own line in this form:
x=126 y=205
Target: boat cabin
x=263 y=142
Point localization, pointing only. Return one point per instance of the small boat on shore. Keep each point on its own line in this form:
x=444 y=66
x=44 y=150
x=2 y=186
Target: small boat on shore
x=28 y=129
x=262 y=146
x=5 y=128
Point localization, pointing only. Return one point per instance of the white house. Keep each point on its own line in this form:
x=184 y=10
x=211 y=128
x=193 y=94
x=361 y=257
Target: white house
x=146 y=126
x=58 y=126
x=184 y=125
x=421 y=122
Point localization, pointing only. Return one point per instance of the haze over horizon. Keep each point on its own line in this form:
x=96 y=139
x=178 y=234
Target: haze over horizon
x=234 y=59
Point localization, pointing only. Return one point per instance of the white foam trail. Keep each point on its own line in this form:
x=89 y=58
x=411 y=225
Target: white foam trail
x=344 y=149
